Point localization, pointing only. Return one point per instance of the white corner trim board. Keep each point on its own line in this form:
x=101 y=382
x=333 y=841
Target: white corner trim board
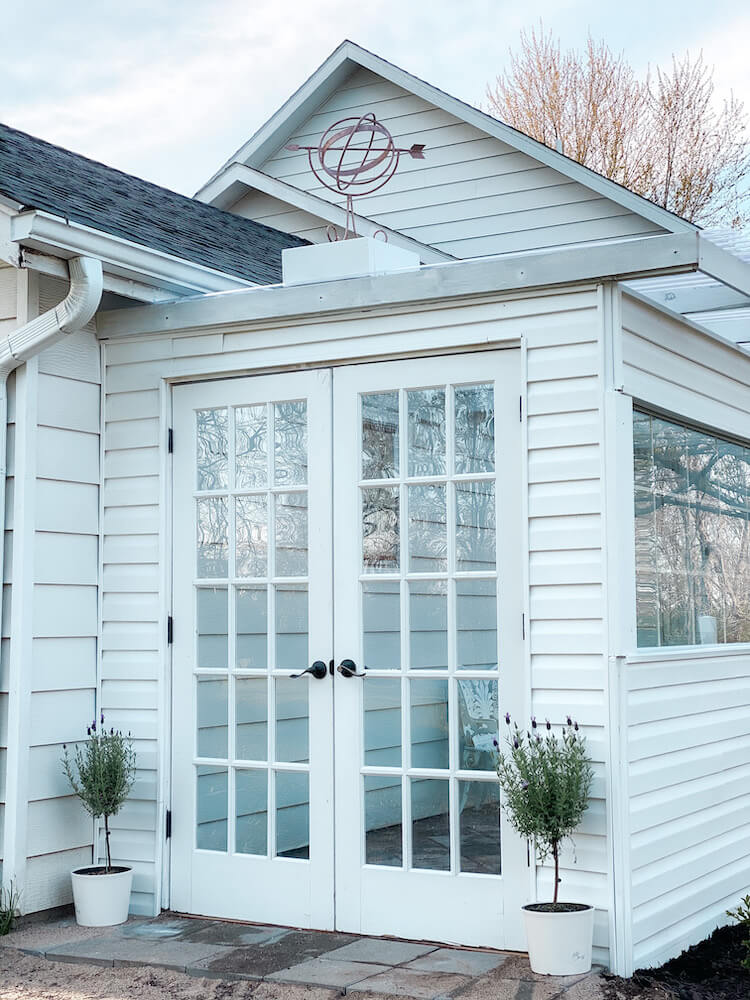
x=23 y=344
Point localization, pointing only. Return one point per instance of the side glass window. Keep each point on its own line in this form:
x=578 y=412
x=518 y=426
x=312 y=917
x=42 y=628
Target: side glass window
x=692 y=535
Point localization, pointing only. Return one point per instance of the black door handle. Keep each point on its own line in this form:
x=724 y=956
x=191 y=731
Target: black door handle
x=348 y=668
x=318 y=670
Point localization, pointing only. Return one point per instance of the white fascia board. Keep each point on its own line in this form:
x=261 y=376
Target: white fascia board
x=133 y=261
x=706 y=298
x=326 y=211
x=348 y=56
x=668 y=254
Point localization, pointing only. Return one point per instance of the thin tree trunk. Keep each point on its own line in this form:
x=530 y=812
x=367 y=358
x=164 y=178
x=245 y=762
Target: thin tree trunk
x=106 y=840
x=556 y=856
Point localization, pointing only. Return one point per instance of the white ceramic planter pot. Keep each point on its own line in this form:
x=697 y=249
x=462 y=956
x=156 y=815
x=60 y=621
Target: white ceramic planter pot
x=101 y=899
x=559 y=942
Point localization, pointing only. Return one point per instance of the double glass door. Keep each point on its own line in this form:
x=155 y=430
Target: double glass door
x=347 y=605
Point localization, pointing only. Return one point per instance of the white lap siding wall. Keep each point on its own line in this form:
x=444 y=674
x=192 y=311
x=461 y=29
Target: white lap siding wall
x=686 y=712
x=471 y=195
x=562 y=352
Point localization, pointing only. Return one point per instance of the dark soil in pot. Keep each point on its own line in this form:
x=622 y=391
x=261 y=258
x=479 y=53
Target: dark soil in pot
x=710 y=970
x=556 y=907
x=101 y=870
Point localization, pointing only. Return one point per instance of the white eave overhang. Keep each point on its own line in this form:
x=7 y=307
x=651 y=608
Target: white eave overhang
x=130 y=269
x=717 y=294
x=670 y=254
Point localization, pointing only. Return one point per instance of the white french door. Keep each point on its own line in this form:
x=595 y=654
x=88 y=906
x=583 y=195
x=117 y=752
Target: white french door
x=366 y=520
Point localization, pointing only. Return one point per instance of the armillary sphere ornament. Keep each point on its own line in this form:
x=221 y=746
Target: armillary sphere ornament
x=355 y=157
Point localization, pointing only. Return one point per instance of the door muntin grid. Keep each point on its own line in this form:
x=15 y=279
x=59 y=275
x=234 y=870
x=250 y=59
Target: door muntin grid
x=429 y=615
x=251 y=592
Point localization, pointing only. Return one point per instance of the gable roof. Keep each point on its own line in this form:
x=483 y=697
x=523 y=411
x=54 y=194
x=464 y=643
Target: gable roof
x=348 y=56
x=39 y=175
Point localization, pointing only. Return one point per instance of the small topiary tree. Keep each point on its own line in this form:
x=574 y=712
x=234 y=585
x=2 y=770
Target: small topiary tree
x=546 y=781
x=101 y=772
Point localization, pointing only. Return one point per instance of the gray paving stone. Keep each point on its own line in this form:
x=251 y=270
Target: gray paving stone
x=167 y=953
x=239 y=935
x=380 y=951
x=326 y=972
x=280 y=952
x=164 y=927
x=458 y=961
x=411 y=983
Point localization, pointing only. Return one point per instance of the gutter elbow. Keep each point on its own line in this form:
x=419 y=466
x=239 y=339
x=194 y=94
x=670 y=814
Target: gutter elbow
x=84 y=296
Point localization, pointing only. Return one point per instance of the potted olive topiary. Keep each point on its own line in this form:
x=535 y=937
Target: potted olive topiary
x=101 y=771
x=546 y=781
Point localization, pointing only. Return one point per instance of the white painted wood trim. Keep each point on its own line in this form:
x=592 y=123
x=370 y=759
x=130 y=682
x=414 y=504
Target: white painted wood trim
x=431 y=283
x=163 y=857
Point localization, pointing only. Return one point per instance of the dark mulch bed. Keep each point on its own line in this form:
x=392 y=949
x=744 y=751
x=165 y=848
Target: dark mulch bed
x=710 y=970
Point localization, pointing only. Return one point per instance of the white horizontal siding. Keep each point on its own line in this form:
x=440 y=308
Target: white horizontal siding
x=8 y=311
x=471 y=195
x=689 y=781
x=567 y=627
x=64 y=606
x=669 y=365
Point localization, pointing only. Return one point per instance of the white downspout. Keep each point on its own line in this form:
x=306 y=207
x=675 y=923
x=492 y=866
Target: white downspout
x=23 y=343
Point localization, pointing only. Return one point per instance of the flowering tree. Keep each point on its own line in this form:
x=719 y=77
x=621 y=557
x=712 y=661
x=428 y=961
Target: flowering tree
x=546 y=781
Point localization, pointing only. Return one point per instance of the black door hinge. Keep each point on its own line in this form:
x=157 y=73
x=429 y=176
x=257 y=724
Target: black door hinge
x=168 y=824
x=170 y=440
x=170 y=630
x=523 y=627
x=520 y=408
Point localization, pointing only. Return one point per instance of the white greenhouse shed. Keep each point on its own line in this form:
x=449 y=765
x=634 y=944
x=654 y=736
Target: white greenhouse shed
x=500 y=463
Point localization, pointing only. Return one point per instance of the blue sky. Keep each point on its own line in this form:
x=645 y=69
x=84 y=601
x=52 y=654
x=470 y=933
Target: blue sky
x=168 y=90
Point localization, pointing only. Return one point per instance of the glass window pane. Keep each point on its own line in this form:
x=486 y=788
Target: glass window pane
x=476 y=625
x=475 y=526
x=478 y=724
x=429 y=723
x=475 y=428
x=213 y=537
x=383 y=820
x=212 y=612
x=251 y=810
x=691 y=520
x=251 y=614
x=212 y=807
x=211 y=717
x=479 y=827
x=212 y=438
x=292 y=719
x=290 y=443
x=426 y=444
x=428 y=624
x=252 y=536
x=428 y=539
x=380 y=530
x=430 y=824
x=380 y=435
x=251 y=430
x=251 y=718
x=291 y=534
x=291 y=627
x=292 y=814
x=382 y=721
x=381 y=625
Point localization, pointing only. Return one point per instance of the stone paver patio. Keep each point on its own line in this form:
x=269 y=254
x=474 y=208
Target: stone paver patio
x=344 y=963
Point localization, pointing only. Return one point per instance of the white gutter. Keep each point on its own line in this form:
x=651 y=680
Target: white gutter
x=49 y=234
x=21 y=344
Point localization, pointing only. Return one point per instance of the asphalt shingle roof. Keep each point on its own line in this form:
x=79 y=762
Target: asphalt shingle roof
x=46 y=177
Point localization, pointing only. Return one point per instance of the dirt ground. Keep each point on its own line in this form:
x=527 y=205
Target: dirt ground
x=27 y=977
x=710 y=970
